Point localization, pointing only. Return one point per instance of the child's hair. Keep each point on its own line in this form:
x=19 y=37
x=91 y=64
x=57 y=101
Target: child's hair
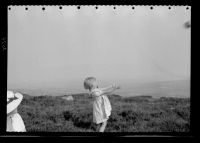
x=88 y=82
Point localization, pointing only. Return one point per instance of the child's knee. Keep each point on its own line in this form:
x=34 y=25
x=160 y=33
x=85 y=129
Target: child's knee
x=103 y=126
x=105 y=122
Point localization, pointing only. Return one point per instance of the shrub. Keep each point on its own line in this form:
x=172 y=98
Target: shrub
x=131 y=114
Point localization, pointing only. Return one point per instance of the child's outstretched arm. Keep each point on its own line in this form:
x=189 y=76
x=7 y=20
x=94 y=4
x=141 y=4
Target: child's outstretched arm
x=109 y=89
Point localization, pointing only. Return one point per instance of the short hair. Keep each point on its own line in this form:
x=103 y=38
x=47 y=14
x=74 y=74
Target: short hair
x=88 y=82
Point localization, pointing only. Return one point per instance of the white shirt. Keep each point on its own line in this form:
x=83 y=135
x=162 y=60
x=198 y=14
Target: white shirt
x=15 y=123
x=101 y=106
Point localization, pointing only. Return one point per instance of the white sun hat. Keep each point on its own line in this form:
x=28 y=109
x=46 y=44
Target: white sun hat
x=13 y=100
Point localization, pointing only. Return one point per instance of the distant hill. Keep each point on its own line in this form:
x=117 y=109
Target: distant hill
x=178 y=88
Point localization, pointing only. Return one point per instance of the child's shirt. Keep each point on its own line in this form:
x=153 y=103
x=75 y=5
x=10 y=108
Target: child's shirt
x=15 y=123
x=101 y=106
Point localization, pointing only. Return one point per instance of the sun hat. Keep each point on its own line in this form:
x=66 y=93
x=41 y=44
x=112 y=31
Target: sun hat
x=13 y=100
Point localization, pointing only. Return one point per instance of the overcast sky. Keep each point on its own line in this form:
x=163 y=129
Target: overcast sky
x=56 y=46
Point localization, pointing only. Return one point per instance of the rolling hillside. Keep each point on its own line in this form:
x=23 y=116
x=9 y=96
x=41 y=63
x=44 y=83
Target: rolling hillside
x=129 y=114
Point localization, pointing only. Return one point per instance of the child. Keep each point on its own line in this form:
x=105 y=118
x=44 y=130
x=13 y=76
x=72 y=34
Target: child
x=101 y=104
x=14 y=120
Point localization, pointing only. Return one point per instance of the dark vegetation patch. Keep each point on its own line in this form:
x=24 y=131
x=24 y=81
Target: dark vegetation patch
x=130 y=114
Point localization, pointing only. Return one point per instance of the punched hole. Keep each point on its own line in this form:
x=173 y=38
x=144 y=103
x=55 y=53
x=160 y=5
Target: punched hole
x=43 y=8
x=60 y=7
x=151 y=7
x=78 y=7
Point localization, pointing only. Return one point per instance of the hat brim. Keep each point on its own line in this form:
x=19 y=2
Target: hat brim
x=15 y=103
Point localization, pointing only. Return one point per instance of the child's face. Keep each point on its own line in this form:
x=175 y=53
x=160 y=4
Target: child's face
x=94 y=84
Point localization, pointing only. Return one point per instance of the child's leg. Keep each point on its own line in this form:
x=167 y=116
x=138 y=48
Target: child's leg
x=103 y=126
x=98 y=127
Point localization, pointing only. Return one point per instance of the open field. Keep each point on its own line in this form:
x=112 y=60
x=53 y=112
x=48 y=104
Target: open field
x=129 y=114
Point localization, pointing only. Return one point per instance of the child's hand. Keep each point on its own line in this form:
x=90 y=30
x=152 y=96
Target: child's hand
x=116 y=86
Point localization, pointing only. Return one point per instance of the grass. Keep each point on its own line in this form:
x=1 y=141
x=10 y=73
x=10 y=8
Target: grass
x=130 y=114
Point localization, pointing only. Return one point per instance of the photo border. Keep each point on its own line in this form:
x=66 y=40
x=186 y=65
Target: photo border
x=4 y=58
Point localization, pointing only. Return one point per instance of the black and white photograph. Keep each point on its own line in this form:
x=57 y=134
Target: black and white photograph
x=111 y=69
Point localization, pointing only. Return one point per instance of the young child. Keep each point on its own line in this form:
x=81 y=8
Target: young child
x=101 y=105
x=14 y=120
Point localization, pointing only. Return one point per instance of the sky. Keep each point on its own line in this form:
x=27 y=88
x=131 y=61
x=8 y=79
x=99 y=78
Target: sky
x=61 y=47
